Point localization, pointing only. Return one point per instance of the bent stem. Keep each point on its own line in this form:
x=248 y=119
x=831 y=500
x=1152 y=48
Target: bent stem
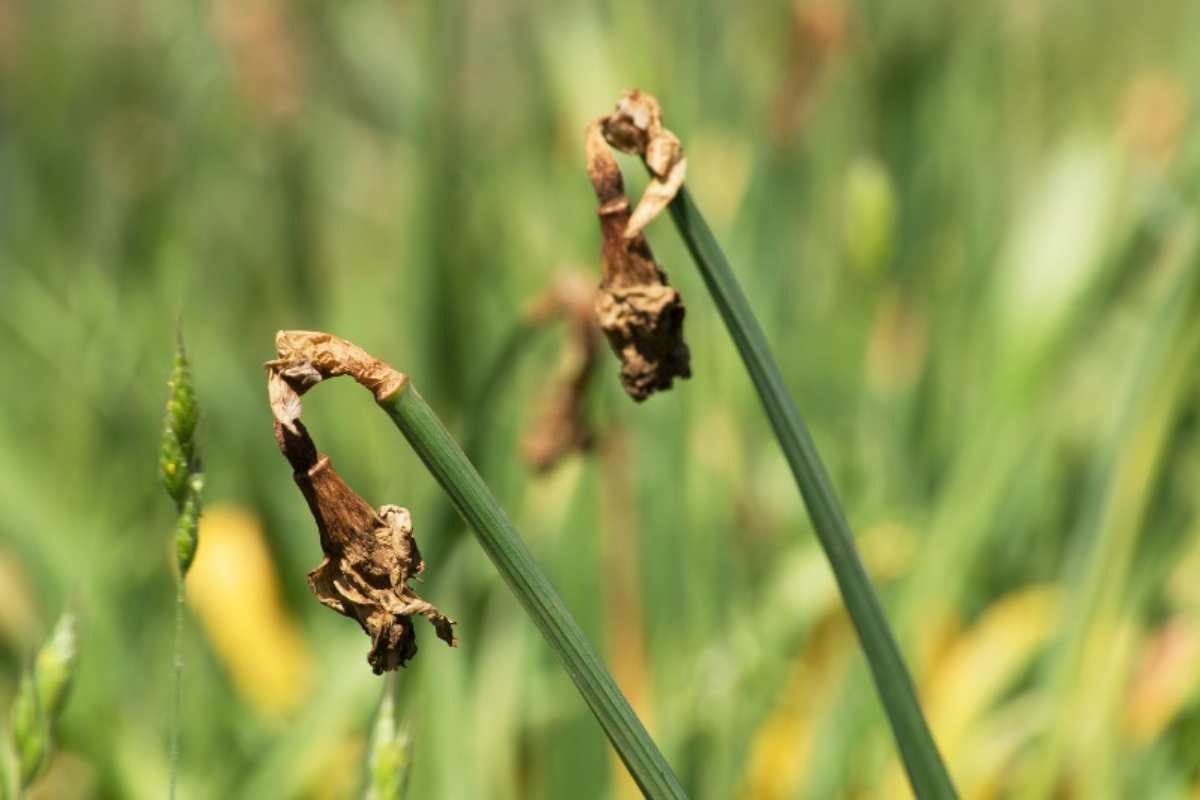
x=922 y=762
x=445 y=460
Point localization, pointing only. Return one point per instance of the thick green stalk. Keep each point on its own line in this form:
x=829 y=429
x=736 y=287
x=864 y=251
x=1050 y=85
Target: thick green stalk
x=446 y=461
x=918 y=751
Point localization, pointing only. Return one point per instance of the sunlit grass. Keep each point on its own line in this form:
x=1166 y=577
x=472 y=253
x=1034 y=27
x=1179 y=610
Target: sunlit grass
x=408 y=175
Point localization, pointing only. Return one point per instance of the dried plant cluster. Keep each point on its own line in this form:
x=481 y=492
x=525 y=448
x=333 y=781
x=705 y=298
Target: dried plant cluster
x=640 y=314
x=370 y=555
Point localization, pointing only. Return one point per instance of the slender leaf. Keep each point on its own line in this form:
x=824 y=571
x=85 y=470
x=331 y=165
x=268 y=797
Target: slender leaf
x=922 y=761
x=450 y=466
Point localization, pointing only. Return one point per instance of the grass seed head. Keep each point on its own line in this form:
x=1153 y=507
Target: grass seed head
x=179 y=461
x=40 y=699
x=390 y=756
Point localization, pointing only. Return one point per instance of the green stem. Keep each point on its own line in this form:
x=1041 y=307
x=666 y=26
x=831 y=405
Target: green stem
x=176 y=690
x=499 y=539
x=918 y=751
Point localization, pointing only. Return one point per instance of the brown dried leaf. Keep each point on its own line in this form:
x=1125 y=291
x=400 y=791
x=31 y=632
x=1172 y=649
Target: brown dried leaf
x=644 y=326
x=640 y=314
x=307 y=357
x=370 y=556
x=562 y=427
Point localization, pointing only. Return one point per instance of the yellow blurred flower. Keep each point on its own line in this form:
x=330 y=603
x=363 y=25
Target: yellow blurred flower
x=1166 y=679
x=1155 y=112
x=233 y=588
x=779 y=755
x=972 y=675
x=340 y=771
x=777 y=763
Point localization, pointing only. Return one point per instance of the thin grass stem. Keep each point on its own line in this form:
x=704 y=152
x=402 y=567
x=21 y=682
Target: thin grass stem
x=176 y=692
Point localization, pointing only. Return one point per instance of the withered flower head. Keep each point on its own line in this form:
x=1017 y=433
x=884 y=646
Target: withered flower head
x=640 y=314
x=370 y=555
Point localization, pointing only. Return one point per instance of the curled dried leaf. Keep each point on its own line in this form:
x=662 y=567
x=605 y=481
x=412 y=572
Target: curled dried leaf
x=640 y=314
x=305 y=358
x=370 y=555
x=636 y=127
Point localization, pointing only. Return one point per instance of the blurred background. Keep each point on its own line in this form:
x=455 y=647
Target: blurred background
x=970 y=231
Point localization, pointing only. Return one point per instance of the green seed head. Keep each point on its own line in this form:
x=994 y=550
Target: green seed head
x=179 y=460
x=182 y=411
x=177 y=457
x=174 y=466
x=40 y=699
x=390 y=756
x=185 y=532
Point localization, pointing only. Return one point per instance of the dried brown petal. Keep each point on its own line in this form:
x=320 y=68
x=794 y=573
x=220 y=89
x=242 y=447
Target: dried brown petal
x=640 y=314
x=370 y=556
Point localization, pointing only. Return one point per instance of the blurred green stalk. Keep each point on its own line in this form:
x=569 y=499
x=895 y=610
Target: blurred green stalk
x=1122 y=486
x=918 y=751
x=9 y=789
x=390 y=756
x=499 y=539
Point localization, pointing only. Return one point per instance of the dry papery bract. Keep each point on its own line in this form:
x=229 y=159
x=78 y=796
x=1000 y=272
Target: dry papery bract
x=562 y=426
x=370 y=555
x=640 y=314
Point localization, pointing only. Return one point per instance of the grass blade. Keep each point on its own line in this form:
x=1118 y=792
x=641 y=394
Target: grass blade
x=923 y=763
x=450 y=466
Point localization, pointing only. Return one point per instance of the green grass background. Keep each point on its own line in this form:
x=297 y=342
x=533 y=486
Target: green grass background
x=969 y=230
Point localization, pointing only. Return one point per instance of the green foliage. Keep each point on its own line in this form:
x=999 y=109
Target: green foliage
x=408 y=175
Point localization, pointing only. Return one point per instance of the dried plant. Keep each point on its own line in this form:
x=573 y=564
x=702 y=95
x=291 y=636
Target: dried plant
x=562 y=427
x=370 y=555
x=641 y=315
x=304 y=359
